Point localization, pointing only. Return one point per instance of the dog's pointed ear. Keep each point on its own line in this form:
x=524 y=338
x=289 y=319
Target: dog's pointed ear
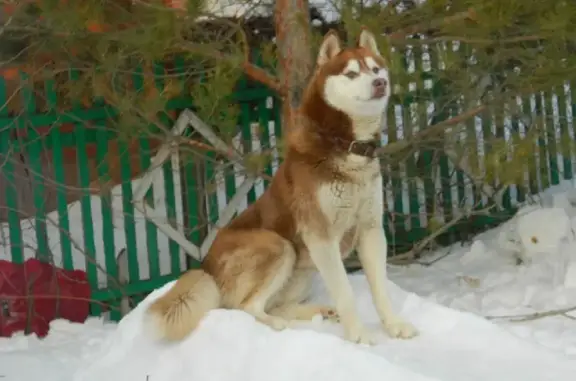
x=368 y=41
x=329 y=48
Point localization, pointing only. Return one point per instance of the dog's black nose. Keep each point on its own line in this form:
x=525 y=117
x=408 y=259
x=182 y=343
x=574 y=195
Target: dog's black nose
x=379 y=83
x=378 y=88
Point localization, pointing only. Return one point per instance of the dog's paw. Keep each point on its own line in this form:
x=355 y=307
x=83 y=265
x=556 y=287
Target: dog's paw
x=278 y=323
x=359 y=335
x=400 y=329
x=329 y=313
x=274 y=322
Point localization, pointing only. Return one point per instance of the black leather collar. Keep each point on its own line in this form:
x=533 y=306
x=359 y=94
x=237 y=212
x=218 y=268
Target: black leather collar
x=366 y=148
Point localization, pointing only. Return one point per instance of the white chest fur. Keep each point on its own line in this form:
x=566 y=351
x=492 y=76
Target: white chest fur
x=346 y=204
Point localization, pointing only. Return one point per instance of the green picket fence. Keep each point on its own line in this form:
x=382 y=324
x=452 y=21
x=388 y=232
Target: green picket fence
x=49 y=159
x=43 y=218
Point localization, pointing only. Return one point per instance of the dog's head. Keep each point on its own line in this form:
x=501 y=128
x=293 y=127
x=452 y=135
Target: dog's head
x=353 y=80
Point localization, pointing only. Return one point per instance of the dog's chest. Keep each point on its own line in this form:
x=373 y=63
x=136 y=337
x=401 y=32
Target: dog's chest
x=345 y=204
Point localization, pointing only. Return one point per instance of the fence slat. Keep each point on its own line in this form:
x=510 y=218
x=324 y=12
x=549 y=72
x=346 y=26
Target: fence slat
x=107 y=227
x=212 y=187
x=413 y=204
x=246 y=136
x=128 y=211
x=503 y=157
x=145 y=158
x=573 y=109
x=170 y=200
x=86 y=207
x=460 y=181
x=55 y=140
x=277 y=111
x=428 y=164
x=192 y=201
x=151 y=230
x=407 y=122
x=446 y=186
x=399 y=220
x=551 y=144
x=229 y=181
x=33 y=147
x=168 y=172
x=7 y=151
x=38 y=190
x=486 y=123
x=441 y=113
x=16 y=244
x=266 y=144
x=564 y=135
x=542 y=150
x=530 y=129
x=517 y=138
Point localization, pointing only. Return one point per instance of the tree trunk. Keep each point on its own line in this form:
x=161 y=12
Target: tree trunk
x=292 y=21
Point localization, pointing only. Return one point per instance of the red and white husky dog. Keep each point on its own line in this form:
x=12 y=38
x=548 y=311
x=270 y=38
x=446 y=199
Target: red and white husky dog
x=325 y=200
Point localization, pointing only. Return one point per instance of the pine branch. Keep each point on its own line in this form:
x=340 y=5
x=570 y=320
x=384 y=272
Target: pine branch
x=432 y=24
x=427 y=133
x=254 y=72
x=260 y=75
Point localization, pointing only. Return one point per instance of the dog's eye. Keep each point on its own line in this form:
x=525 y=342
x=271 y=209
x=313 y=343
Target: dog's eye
x=376 y=70
x=351 y=74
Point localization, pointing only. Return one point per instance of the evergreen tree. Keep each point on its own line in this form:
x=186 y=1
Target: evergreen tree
x=454 y=60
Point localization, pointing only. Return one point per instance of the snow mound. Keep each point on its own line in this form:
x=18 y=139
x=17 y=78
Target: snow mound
x=230 y=345
x=486 y=278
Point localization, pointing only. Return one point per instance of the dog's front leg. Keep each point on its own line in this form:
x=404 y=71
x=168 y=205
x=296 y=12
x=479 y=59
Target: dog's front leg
x=372 y=250
x=325 y=254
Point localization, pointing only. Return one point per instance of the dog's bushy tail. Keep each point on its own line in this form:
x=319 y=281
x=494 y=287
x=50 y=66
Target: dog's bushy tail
x=179 y=311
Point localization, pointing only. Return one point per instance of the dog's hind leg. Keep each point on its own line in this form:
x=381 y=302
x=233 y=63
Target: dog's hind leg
x=305 y=311
x=266 y=273
x=291 y=304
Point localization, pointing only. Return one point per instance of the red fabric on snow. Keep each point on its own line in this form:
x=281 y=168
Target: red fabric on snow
x=35 y=293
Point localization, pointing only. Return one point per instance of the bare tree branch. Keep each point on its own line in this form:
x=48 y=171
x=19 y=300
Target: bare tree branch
x=533 y=316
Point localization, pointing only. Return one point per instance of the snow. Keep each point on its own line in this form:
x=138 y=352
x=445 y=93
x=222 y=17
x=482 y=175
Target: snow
x=230 y=345
x=485 y=279
x=448 y=301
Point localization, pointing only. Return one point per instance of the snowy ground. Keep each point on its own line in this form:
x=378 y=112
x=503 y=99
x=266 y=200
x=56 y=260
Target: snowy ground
x=447 y=301
x=453 y=346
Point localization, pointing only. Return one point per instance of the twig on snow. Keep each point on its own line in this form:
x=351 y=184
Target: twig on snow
x=535 y=315
x=437 y=259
